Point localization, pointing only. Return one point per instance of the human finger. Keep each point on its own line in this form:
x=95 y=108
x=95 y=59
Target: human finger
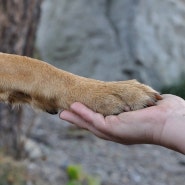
x=76 y=119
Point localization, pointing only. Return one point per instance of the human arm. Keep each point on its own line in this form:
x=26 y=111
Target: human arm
x=163 y=124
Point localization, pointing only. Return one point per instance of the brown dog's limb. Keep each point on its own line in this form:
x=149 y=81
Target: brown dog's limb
x=27 y=80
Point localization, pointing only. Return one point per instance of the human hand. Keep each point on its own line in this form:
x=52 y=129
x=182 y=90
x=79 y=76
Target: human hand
x=163 y=124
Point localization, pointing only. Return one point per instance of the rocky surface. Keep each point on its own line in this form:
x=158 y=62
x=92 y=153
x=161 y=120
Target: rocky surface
x=115 y=40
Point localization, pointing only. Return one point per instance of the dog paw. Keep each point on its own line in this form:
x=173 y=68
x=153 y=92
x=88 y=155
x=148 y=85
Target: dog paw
x=112 y=98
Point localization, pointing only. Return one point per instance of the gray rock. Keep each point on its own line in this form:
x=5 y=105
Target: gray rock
x=115 y=40
x=32 y=149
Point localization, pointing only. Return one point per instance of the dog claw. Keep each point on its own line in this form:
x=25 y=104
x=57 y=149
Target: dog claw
x=158 y=96
x=53 y=112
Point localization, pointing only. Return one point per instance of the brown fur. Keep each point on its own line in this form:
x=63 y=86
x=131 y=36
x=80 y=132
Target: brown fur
x=27 y=80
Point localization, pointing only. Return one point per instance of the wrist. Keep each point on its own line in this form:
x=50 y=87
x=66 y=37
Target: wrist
x=168 y=128
x=172 y=135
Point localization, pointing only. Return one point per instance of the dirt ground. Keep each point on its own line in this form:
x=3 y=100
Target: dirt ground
x=115 y=164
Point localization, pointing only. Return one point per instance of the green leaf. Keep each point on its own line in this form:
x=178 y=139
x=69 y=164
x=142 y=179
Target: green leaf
x=74 y=172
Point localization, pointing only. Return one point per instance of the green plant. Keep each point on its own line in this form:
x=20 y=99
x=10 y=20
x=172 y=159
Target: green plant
x=176 y=89
x=77 y=176
x=74 y=172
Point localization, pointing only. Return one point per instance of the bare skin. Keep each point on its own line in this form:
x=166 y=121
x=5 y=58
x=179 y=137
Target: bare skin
x=163 y=124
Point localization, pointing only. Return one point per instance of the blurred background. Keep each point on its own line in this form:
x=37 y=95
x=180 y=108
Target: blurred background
x=102 y=39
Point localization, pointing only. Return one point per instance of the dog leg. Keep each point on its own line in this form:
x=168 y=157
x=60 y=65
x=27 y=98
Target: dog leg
x=30 y=81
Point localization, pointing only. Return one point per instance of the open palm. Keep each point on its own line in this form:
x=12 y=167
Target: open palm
x=163 y=124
